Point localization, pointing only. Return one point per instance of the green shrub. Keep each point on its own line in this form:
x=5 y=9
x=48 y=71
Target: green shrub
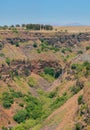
x=2 y=55
x=38 y=51
x=17 y=94
x=78 y=126
x=80 y=52
x=73 y=66
x=7 y=104
x=80 y=99
x=1 y=46
x=75 y=89
x=35 y=45
x=49 y=71
x=59 y=101
x=48 y=77
x=21 y=104
x=52 y=94
x=88 y=48
x=20 y=116
x=63 y=50
x=33 y=107
x=8 y=61
x=26 y=71
x=4 y=128
x=17 y=44
x=58 y=73
x=32 y=82
x=7 y=100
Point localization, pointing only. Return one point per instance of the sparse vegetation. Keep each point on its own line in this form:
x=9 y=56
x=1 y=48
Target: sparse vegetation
x=7 y=100
x=32 y=82
x=37 y=90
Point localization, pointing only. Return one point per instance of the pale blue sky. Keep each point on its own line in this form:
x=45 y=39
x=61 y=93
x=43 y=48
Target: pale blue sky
x=56 y=12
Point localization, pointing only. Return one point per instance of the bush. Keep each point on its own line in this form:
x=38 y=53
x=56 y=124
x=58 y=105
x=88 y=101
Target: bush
x=1 y=46
x=59 y=101
x=17 y=94
x=32 y=82
x=58 y=73
x=2 y=55
x=48 y=77
x=88 y=48
x=26 y=71
x=17 y=44
x=4 y=128
x=80 y=99
x=80 y=52
x=63 y=50
x=49 y=71
x=73 y=66
x=34 y=107
x=20 y=116
x=8 y=61
x=7 y=100
x=78 y=126
x=35 y=45
x=52 y=94
x=6 y=104
x=75 y=89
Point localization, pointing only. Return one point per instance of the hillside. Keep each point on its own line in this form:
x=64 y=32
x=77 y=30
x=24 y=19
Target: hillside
x=45 y=79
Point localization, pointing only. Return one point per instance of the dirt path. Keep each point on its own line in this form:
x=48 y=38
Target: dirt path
x=67 y=121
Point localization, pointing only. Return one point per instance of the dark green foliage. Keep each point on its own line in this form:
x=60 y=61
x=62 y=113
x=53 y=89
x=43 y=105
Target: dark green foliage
x=59 y=101
x=21 y=104
x=80 y=52
x=4 y=128
x=80 y=99
x=78 y=126
x=26 y=71
x=17 y=44
x=88 y=48
x=49 y=70
x=33 y=26
x=42 y=40
x=20 y=116
x=63 y=50
x=2 y=55
x=73 y=66
x=8 y=61
x=38 y=27
x=6 y=104
x=1 y=46
x=34 y=107
x=17 y=94
x=17 y=25
x=52 y=94
x=7 y=100
x=58 y=73
x=35 y=45
x=75 y=89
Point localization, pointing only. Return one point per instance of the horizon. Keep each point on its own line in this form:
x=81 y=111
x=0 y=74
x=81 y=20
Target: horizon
x=56 y=13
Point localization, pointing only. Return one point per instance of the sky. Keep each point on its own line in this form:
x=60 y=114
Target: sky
x=54 y=12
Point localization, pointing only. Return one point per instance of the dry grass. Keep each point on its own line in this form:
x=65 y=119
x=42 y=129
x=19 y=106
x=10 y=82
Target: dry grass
x=72 y=29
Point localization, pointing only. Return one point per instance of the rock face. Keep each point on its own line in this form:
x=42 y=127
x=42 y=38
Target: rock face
x=55 y=39
x=15 y=68
x=68 y=39
x=24 y=68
